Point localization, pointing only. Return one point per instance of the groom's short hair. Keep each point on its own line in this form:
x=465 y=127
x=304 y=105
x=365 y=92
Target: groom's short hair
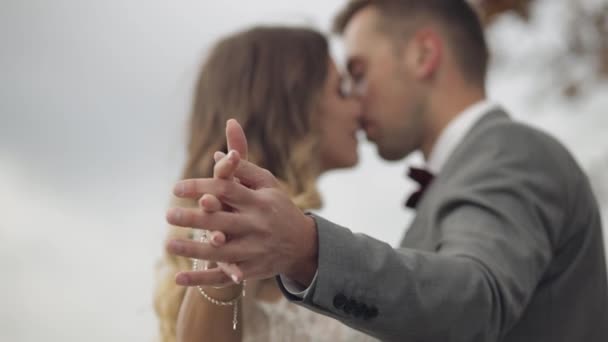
x=461 y=24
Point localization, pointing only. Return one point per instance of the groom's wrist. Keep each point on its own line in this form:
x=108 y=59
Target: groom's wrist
x=304 y=269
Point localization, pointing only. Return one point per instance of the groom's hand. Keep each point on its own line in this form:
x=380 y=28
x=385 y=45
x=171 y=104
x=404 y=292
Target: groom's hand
x=268 y=234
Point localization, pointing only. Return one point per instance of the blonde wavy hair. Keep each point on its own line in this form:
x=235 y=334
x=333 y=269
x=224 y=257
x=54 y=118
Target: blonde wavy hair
x=270 y=80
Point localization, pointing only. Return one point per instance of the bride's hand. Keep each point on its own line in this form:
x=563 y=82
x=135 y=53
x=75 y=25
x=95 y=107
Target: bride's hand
x=225 y=166
x=224 y=169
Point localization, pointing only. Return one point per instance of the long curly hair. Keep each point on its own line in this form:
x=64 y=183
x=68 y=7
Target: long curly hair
x=270 y=80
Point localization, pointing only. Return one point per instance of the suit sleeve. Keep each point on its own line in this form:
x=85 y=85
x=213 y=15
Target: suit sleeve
x=497 y=225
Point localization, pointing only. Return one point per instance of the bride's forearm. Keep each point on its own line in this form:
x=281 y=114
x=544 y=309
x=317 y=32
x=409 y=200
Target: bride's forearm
x=200 y=320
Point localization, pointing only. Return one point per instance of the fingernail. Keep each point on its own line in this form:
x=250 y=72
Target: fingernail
x=216 y=239
x=217 y=156
x=176 y=215
x=182 y=279
x=181 y=189
x=235 y=279
x=176 y=246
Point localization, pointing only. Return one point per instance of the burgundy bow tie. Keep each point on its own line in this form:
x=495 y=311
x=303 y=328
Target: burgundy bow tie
x=422 y=177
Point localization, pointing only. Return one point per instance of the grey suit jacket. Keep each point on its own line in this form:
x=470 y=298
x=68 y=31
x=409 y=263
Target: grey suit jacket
x=506 y=246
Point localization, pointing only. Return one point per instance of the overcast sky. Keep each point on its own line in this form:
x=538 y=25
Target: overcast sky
x=93 y=101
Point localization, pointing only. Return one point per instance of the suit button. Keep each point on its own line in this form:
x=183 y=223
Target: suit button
x=339 y=301
x=370 y=313
x=350 y=306
x=359 y=310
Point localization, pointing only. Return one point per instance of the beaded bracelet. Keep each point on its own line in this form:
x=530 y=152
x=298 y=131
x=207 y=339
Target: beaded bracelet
x=233 y=302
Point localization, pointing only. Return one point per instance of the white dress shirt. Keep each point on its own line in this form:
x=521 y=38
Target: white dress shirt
x=448 y=140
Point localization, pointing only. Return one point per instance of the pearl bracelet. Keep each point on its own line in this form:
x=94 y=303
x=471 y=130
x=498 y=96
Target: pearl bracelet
x=233 y=302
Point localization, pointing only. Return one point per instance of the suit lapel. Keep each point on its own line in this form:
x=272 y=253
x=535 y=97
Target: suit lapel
x=421 y=233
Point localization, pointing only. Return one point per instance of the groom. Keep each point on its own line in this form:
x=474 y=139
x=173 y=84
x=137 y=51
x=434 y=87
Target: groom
x=507 y=242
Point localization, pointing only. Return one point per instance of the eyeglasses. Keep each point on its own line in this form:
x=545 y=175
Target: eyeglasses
x=350 y=86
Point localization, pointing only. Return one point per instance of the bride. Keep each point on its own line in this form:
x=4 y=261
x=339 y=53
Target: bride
x=282 y=86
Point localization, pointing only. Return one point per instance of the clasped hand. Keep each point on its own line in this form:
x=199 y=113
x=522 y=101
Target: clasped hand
x=256 y=230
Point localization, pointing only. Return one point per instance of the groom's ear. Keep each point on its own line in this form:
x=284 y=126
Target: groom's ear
x=235 y=136
x=425 y=53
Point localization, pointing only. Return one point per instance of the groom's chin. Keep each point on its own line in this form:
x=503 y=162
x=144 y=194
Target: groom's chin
x=389 y=154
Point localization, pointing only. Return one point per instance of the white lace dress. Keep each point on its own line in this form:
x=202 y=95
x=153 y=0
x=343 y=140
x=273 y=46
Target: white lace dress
x=283 y=321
